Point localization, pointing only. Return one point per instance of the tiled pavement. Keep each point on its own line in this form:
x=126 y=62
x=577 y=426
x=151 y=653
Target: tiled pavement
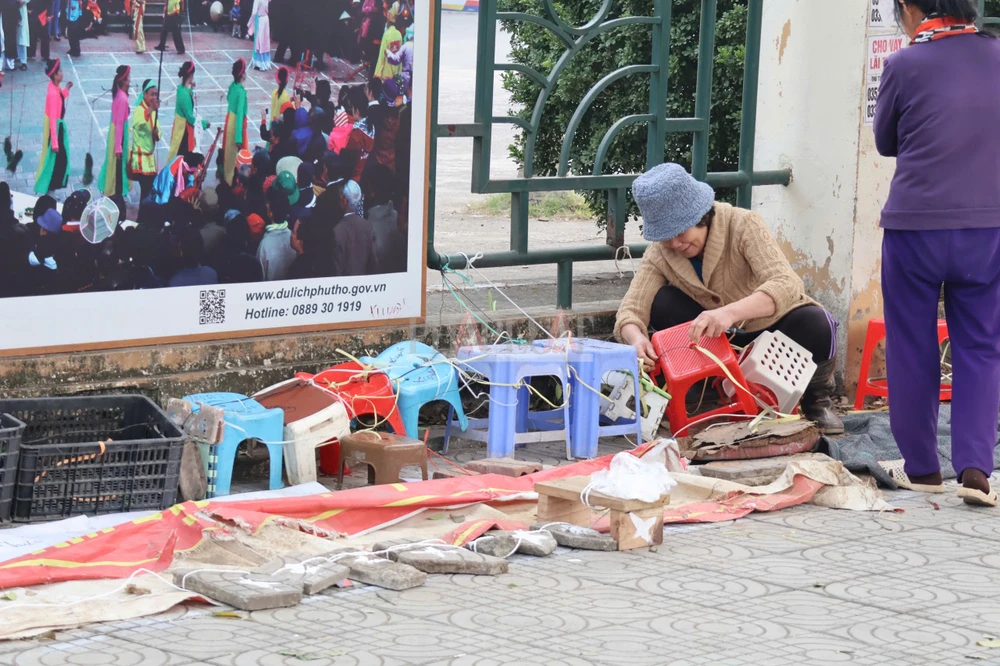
x=802 y=586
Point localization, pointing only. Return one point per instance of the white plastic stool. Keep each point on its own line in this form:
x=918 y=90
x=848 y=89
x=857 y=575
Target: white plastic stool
x=616 y=407
x=304 y=435
x=781 y=365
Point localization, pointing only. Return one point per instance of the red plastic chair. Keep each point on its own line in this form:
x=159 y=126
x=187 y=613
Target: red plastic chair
x=684 y=366
x=363 y=394
x=868 y=387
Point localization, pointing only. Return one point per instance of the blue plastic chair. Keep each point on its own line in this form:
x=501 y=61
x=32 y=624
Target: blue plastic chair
x=506 y=366
x=590 y=360
x=245 y=418
x=420 y=375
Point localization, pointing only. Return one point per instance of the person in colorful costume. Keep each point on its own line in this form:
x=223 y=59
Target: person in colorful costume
x=172 y=24
x=260 y=29
x=145 y=134
x=176 y=177
x=937 y=114
x=182 y=139
x=53 y=169
x=392 y=42
x=235 y=133
x=280 y=97
x=113 y=180
x=138 y=29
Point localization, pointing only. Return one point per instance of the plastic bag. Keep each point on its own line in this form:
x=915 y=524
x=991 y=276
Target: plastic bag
x=645 y=479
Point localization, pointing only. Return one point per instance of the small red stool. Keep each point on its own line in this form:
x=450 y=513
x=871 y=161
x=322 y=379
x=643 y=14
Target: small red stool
x=683 y=367
x=363 y=394
x=868 y=387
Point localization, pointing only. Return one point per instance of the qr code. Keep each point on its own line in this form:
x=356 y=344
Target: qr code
x=213 y=307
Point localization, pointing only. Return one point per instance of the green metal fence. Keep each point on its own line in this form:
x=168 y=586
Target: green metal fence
x=616 y=185
x=986 y=20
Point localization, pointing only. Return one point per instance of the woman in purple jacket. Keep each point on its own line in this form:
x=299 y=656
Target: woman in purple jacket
x=939 y=113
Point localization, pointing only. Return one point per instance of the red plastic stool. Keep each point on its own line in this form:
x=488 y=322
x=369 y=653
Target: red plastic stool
x=868 y=387
x=683 y=367
x=363 y=394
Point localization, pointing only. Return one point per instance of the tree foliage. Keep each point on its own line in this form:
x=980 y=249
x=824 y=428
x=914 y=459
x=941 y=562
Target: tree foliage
x=538 y=48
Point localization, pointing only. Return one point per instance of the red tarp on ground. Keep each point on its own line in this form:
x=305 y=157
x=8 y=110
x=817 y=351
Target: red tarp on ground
x=150 y=543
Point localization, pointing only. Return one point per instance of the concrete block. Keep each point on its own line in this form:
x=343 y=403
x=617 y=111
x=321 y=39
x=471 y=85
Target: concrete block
x=444 y=560
x=754 y=472
x=371 y=569
x=536 y=544
x=504 y=466
x=249 y=592
x=452 y=473
x=312 y=573
x=496 y=545
x=581 y=538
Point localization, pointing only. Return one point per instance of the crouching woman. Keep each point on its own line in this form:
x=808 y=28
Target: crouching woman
x=720 y=268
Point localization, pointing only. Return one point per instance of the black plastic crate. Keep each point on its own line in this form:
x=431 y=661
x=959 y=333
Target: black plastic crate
x=93 y=455
x=11 y=431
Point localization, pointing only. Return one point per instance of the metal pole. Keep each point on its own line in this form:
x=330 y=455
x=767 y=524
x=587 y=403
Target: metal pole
x=564 y=284
x=703 y=95
x=435 y=69
x=481 y=145
x=751 y=76
x=659 y=83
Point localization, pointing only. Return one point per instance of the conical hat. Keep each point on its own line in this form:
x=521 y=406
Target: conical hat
x=100 y=219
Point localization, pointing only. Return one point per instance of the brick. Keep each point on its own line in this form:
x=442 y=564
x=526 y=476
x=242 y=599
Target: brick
x=754 y=472
x=536 y=544
x=314 y=574
x=581 y=538
x=371 y=569
x=496 y=545
x=504 y=466
x=445 y=560
x=249 y=592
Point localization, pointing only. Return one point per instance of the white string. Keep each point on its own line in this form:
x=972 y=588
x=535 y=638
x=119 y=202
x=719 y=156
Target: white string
x=627 y=254
x=469 y=266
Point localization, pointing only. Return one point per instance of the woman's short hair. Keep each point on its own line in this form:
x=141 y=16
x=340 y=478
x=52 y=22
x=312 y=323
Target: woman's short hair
x=706 y=222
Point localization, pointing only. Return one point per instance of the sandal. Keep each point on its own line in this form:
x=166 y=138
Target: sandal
x=894 y=468
x=974 y=497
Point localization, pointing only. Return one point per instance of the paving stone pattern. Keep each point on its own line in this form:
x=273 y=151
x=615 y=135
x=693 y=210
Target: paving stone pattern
x=802 y=586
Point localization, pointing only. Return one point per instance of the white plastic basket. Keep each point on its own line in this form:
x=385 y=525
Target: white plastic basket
x=780 y=364
x=616 y=406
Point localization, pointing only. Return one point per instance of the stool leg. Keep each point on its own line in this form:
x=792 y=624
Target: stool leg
x=504 y=404
x=584 y=420
x=275 y=453
x=411 y=420
x=523 y=409
x=447 y=429
x=866 y=365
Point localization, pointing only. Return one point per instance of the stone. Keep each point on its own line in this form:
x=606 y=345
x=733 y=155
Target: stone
x=372 y=569
x=536 y=544
x=502 y=545
x=249 y=592
x=581 y=538
x=754 y=472
x=314 y=574
x=452 y=560
x=391 y=549
x=503 y=466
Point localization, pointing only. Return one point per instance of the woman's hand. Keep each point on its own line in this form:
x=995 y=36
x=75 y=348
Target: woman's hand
x=711 y=324
x=635 y=337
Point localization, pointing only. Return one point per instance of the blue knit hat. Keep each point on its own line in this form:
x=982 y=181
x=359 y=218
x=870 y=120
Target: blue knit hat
x=671 y=201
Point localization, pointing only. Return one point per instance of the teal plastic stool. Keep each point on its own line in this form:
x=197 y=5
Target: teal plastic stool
x=420 y=375
x=245 y=419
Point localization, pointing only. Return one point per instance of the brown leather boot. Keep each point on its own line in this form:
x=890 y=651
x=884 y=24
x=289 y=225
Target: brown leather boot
x=817 y=402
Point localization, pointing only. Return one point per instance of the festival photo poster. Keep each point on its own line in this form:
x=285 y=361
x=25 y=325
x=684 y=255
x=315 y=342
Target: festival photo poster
x=194 y=243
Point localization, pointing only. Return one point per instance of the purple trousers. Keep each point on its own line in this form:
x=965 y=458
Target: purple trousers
x=915 y=265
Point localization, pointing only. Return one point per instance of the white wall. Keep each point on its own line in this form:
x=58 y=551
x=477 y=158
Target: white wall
x=810 y=119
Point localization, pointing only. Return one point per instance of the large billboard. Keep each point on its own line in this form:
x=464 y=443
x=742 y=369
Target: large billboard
x=344 y=287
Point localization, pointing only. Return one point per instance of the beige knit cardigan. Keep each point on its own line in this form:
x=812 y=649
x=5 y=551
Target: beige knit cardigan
x=741 y=257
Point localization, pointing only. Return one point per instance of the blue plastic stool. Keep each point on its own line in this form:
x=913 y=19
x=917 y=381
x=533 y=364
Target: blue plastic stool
x=245 y=419
x=590 y=360
x=505 y=366
x=420 y=374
